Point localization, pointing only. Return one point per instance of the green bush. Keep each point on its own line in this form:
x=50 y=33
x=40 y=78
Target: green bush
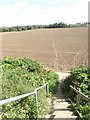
x=20 y=76
x=52 y=79
x=80 y=79
x=81 y=76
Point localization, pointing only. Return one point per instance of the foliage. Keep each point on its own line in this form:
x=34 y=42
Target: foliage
x=81 y=75
x=30 y=27
x=65 y=88
x=80 y=79
x=20 y=76
x=51 y=78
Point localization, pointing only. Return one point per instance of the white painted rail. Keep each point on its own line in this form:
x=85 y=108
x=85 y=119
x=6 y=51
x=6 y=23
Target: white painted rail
x=2 y=102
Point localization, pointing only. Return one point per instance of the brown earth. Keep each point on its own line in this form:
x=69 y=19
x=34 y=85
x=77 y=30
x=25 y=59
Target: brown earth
x=58 y=49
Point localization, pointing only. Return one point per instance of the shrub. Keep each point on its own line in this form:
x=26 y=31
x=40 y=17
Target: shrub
x=20 y=76
x=80 y=79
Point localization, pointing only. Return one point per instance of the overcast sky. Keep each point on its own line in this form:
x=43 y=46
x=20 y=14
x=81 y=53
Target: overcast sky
x=28 y=12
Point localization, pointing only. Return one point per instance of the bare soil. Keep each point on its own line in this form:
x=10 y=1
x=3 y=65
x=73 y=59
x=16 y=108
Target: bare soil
x=58 y=49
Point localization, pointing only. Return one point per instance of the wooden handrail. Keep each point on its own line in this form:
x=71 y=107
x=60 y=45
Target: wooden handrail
x=79 y=95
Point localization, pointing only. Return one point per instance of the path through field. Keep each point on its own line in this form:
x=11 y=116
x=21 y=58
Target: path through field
x=55 y=54
x=60 y=106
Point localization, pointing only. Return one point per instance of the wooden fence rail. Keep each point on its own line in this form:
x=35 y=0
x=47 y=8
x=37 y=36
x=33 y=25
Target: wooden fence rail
x=79 y=95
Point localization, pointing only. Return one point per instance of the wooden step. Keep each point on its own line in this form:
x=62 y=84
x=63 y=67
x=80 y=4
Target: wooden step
x=61 y=110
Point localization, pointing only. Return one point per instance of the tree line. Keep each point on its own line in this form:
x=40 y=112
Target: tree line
x=30 y=27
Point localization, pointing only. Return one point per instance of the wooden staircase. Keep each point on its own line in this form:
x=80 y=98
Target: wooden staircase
x=61 y=110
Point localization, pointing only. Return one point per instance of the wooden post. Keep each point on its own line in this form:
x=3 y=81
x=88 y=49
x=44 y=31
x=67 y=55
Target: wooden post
x=78 y=98
x=47 y=90
x=36 y=100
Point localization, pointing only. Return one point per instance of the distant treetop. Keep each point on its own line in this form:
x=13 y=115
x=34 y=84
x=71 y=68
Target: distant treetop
x=30 y=27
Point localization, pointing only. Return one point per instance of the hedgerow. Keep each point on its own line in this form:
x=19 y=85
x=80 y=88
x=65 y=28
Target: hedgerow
x=20 y=76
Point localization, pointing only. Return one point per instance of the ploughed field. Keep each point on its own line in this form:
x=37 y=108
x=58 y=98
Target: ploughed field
x=58 y=49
